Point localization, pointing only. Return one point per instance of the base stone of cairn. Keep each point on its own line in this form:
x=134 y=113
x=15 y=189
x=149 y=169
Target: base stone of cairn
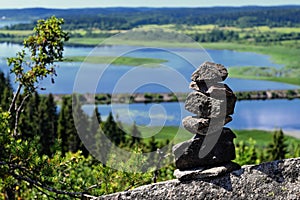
x=211 y=151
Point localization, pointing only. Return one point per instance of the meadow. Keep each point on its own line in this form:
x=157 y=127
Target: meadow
x=261 y=137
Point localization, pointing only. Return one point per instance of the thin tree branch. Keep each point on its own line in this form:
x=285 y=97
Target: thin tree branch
x=48 y=195
x=36 y=183
x=15 y=97
x=50 y=189
x=18 y=111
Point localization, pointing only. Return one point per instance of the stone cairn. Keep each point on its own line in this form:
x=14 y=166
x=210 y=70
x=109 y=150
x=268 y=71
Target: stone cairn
x=210 y=151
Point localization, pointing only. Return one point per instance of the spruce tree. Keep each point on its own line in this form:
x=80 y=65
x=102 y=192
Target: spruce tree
x=277 y=149
x=29 y=120
x=2 y=83
x=81 y=123
x=136 y=135
x=67 y=130
x=95 y=124
x=112 y=131
x=101 y=148
x=48 y=124
x=6 y=91
x=153 y=144
x=62 y=125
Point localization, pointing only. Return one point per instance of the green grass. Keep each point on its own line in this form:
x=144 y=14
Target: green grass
x=16 y=32
x=256 y=73
x=174 y=134
x=85 y=41
x=129 y=61
x=153 y=43
x=293 y=81
x=162 y=134
x=117 y=41
x=178 y=134
x=204 y=28
x=262 y=138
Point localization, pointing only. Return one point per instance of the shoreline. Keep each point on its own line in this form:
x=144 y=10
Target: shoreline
x=125 y=98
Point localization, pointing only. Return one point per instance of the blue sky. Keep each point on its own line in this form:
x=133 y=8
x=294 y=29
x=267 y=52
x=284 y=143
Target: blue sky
x=139 y=3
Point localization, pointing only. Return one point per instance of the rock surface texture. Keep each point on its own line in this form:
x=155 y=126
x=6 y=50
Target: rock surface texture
x=210 y=152
x=279 y=180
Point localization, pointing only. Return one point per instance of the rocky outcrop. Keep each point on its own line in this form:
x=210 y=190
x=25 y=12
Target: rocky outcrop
x=272 y=180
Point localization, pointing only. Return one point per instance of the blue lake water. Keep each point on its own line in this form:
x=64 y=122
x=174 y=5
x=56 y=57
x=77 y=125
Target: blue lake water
x=266 y=115
x=174 y=75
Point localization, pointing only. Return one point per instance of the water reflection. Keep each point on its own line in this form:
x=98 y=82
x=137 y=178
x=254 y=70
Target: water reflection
x=269 y=115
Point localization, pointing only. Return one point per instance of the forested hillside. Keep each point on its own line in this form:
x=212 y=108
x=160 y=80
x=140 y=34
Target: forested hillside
x=128 y=18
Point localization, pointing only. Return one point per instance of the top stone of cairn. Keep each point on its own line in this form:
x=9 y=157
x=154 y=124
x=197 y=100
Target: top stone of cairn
x=210 y=72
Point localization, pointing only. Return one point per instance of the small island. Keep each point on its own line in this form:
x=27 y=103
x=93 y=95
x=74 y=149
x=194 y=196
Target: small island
x=123 y=60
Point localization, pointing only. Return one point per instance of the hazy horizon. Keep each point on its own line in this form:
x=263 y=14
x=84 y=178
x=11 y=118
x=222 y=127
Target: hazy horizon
x=57 y=4
x=39 y=7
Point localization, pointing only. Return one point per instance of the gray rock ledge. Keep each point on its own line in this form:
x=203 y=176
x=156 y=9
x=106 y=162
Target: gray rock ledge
x=277 y=180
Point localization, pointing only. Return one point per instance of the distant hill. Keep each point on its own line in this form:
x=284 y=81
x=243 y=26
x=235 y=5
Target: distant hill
x=127 y=18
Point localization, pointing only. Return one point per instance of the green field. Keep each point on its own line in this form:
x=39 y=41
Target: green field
x=265 y=73
x=162 y=134
x=16 y=32
x=178 y=134
x=84 y=41
x=262 y=138
x=129 y=61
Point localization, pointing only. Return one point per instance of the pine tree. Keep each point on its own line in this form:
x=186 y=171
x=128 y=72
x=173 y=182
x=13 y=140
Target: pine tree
x=62 y=125
x=95 y=123
x=101 y=148
x=112 y=131
x=81 y=123
x=120 y=132
x=136 y=135
x=29 y=120
x=277 y=149
x=2 y=83
x=5 y=98
x=66 y=129
x=48 y=124
x=153 y=144
x=6 y=91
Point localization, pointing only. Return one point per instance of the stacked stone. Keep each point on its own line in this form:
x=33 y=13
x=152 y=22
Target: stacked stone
x=212 y=102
